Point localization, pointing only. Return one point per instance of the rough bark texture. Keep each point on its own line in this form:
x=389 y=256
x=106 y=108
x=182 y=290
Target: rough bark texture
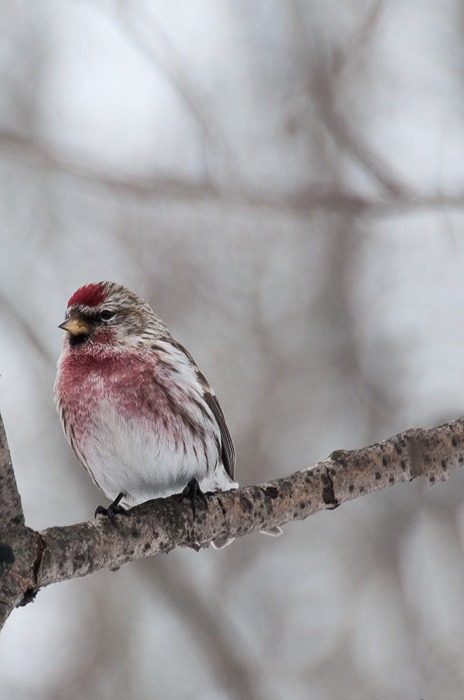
x=18 y=544
x=11 y=511
x=30 y=560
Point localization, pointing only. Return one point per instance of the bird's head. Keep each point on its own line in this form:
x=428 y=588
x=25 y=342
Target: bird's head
x=107 y=313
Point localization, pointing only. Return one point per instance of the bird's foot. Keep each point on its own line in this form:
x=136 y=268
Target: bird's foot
x=113 y=509
x=196 y=496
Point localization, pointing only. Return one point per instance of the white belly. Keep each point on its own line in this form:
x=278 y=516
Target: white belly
x=142 y=461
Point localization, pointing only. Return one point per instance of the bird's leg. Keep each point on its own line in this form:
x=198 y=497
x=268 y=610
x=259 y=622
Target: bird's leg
x=113 y=509
x=197 y=498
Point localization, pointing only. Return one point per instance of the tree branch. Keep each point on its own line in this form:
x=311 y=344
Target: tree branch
x=11 y=510
x=61 y=553
x=17 y=542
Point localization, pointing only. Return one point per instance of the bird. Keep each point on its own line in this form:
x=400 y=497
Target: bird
x=136 y=410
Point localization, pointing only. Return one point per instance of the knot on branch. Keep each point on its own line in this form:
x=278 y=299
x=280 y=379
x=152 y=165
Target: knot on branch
x=6 y=556
x=328 y=493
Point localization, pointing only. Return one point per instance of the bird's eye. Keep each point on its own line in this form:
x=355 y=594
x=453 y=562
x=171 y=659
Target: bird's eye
x=106 y=315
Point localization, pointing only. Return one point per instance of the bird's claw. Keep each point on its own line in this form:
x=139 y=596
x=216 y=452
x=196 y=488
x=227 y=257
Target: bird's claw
x=112 y=510
x=196 y=496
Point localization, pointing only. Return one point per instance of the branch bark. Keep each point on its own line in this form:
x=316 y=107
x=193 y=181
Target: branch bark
x=30 y=560
x=11 y=509
x=17 y=542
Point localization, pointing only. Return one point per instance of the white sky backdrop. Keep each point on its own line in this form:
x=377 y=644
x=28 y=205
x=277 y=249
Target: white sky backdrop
x=284 y=182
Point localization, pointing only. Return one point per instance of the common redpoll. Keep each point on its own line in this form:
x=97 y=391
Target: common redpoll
x=134 y=406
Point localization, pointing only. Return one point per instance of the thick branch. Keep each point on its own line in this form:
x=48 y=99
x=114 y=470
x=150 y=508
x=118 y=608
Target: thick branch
x=11 y=510
x=159 y=526
x=62 y=553
x=17 y=542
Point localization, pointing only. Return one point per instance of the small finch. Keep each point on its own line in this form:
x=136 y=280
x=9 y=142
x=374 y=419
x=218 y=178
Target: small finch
x=134 y=406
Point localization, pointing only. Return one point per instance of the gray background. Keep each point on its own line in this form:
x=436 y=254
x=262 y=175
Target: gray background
x=284 y=182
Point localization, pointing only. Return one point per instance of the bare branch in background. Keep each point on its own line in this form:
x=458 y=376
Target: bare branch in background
x=33 y=560
x=17 y=147
x=349 y=141
x=208 y=630
x=356 y=45
x=26 y=329
x=136 y=21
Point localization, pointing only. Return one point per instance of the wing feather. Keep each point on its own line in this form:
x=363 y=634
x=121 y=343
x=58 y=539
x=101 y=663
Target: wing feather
x=211 y=400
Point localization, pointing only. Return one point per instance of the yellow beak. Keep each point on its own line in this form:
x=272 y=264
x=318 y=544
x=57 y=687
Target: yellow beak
x=75 y=326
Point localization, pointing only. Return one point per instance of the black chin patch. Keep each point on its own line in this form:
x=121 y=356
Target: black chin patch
x=78 y=339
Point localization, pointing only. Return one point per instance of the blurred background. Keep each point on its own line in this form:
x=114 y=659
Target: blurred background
x=284 y=182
